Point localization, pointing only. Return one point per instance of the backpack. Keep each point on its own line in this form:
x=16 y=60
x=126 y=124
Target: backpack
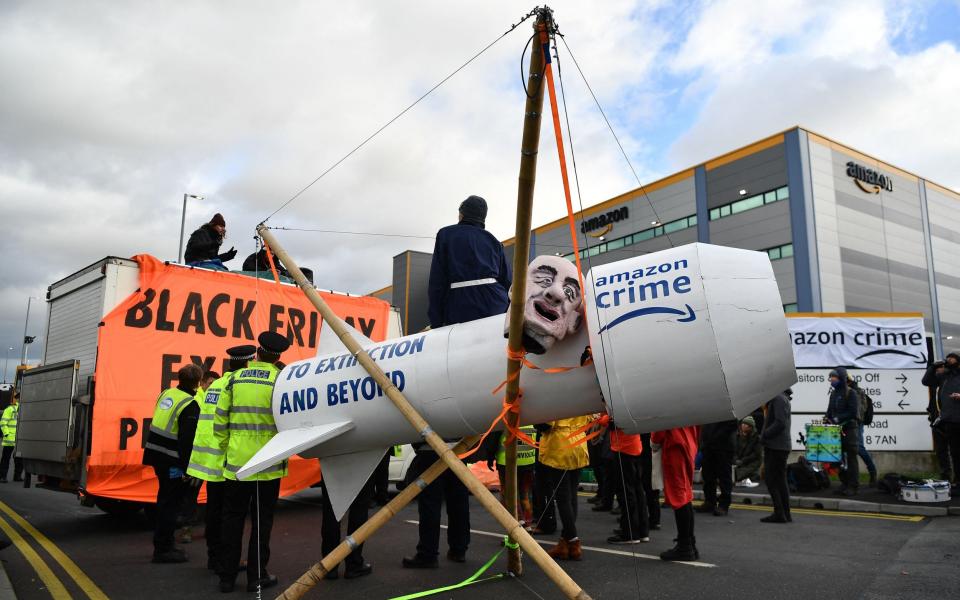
x=864 y=406
x=802 y=477
x=891 y=483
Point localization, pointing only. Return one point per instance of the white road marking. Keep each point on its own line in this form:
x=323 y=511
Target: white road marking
x=591 y=548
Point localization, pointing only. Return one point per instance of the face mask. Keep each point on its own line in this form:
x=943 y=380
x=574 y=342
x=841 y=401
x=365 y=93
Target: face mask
x=836 y=384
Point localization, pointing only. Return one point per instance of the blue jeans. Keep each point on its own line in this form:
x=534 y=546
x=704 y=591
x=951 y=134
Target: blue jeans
x=864 y=455
x=214 y=263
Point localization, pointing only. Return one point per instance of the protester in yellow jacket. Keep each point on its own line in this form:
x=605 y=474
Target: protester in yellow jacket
x=562 y=455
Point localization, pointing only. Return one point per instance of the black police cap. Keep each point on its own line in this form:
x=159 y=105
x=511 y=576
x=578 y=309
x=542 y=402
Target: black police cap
x=273 y=343
x=244 y=352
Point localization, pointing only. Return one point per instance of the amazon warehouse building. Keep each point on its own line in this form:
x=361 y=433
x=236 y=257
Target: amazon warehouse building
x=845 y=232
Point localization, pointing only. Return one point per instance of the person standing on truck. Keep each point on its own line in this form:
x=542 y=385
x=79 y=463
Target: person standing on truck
x=168 y=448
x=469 y=277
x=206 y=460
x=243 y=424
x=469 y=280
x=203 y=247
x=8 y=425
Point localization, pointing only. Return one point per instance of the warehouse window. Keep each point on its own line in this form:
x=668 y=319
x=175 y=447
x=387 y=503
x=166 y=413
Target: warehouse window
x=636 y=238
x=778 y=252
x=745 y=204
x=790 y=308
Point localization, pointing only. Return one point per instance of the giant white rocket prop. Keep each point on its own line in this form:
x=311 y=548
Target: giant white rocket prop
x=685 y=336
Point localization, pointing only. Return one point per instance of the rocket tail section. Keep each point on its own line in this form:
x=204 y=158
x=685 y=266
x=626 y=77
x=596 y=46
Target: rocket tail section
x=344 y=475
x=287 y=443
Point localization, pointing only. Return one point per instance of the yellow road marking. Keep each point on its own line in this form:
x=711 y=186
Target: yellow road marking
x=818 y=512
x=54 y=585
x=85 y=583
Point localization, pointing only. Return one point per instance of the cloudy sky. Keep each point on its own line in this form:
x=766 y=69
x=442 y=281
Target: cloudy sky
x=111 y=111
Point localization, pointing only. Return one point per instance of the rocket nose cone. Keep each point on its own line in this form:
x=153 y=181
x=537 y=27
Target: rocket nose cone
x=689 y=335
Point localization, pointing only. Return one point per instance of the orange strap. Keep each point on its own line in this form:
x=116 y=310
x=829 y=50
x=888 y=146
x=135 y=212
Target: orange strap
x=600 y=424
x=273 y=267
x=521 y=357
x=558 y=132
x=513 y=432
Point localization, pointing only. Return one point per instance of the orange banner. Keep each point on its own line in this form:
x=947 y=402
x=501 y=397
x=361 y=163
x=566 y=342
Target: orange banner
x=181 y=315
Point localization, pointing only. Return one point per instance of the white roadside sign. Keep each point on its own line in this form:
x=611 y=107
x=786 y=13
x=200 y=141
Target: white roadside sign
x=878 y=341
x=896 y=391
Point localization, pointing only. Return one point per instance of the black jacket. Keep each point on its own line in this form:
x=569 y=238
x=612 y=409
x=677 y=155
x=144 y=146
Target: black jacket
x=720 y=437
x=844 y=402
x=947 y=382
x=204 y=244
x=465 y=252
x=776 y=425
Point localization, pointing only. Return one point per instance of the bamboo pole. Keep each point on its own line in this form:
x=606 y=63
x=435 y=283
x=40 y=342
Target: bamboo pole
x=318 y=571
x=529 y=148
x=514 y=529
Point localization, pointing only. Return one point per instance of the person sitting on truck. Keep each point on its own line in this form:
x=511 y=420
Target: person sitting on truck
x=8 y=425
x=204 y=246
x=168 y=448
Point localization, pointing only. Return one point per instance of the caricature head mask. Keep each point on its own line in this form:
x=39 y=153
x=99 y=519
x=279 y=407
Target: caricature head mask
x=553 y=303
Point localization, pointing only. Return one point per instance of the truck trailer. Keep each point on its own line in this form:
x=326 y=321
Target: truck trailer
x=117 y=332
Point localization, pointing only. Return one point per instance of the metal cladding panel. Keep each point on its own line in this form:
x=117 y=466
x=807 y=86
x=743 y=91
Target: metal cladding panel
x=945 y=240
x=669 y=203
x=759 y=172
x=871 y=246
x=73 y=326
x=43 y=432
x=419 y=288
x=760 y=228
x=784 y=271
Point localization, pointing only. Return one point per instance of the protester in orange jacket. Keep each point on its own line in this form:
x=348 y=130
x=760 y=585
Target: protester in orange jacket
x=679 y=450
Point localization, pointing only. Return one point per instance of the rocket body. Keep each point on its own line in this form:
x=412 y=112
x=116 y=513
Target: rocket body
x=685 y=336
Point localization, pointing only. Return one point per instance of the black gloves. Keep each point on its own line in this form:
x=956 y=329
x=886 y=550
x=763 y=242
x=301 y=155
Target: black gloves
x=228 y=255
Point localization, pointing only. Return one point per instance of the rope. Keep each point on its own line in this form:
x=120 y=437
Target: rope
x=603 y=352
x=475 y=578
x=398 y=115
x=612 y=132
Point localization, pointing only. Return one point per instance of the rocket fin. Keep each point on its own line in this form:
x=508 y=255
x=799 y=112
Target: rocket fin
x=346 y=474
x=329 y=343
x=287 y=443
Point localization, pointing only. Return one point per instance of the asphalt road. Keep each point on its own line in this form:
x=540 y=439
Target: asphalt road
x=821 y=555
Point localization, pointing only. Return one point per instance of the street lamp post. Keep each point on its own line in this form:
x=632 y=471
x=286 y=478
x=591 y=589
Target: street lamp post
x=27 y=339
x=183 y=223
x=6 y=363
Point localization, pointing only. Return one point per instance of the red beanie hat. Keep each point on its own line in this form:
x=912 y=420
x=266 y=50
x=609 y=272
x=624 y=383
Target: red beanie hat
x=218 y=220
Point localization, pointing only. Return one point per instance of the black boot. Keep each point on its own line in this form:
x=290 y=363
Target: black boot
x=684 y=550
x=873 y=479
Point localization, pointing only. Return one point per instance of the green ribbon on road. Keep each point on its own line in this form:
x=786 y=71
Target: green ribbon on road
x=475 y=578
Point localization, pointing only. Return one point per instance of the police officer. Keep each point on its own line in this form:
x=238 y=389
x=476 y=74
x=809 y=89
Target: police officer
x=206 y=460
x=8 y=426
x=168 y=447
x=526 y=462
x=243 y=423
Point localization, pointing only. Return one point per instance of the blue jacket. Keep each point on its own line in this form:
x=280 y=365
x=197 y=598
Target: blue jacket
x=844 y=402
x=465 y=252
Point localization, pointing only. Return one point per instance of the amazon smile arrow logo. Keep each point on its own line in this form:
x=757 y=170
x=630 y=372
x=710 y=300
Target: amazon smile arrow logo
x=688 y=315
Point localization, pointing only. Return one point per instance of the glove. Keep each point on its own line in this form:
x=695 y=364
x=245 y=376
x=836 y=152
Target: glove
x=228 y=255
x=193 y=481
x=176 y=473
